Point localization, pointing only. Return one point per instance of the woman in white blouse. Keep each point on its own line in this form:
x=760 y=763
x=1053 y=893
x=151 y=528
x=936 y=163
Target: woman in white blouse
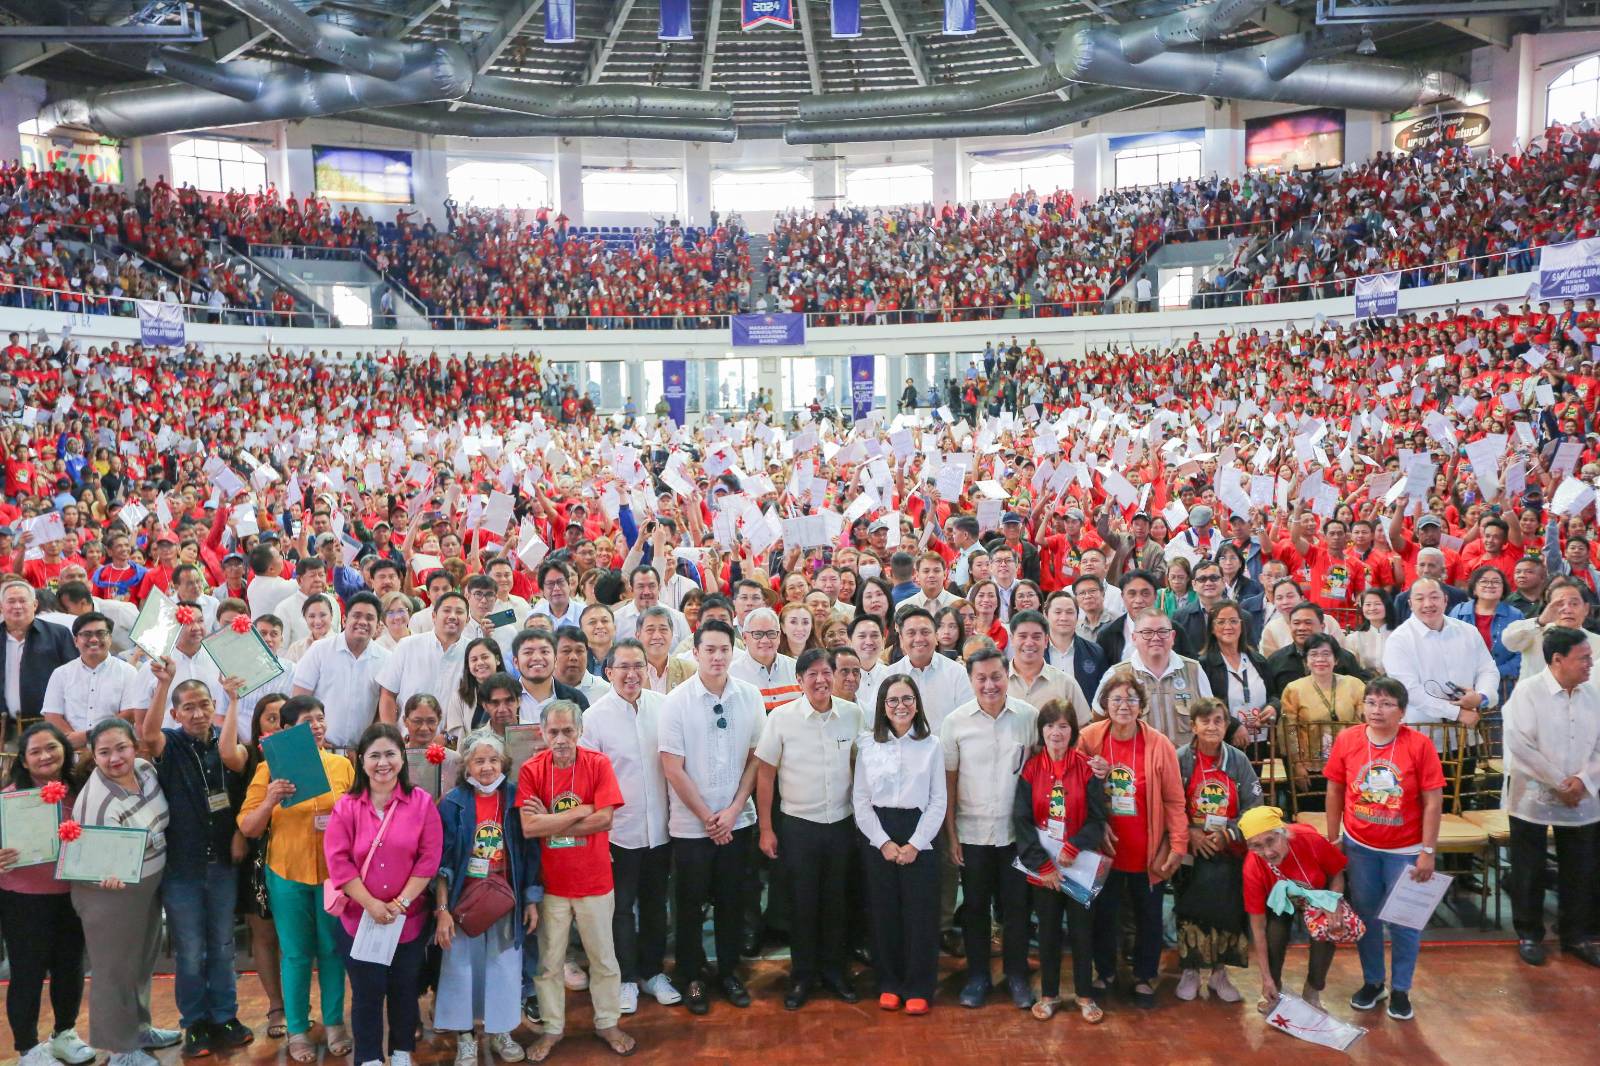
x=1367 y=641
x=899 y=803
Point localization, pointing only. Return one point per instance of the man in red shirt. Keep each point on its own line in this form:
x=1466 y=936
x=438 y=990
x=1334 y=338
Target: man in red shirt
x=1429 y=529
x=567 y=795
x=1494 y=547
x=1335 y=575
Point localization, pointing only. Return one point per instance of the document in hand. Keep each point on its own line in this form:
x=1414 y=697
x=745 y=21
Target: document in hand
x=1412 y=903
x=292 y=755
x=1082 y=877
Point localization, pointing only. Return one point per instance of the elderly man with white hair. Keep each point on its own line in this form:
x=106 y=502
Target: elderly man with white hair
x=34 y=648
x=762 y=664
x=1446 y=668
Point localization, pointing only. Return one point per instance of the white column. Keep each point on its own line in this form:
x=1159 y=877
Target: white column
x=696 y=183
x=569 y=179
x=1087 y=161
x=20 y=98
x=949 y=185
x=1222 y=149
x=1511 y=93
x=151 y=158
x=827 y=179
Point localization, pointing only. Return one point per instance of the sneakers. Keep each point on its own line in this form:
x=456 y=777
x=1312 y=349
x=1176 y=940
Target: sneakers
x=1400 y=1006
x=628 y=998
x=574 y=978
x=231 y=1034
x=66 y=1047
x=1188 y=985
x=1222 y=988
x=662 y=988
x=197 y=1041
x=132 y=1058
x=530 y=1009
x=39 y=1055
x=399 y=1058
x=1369 y=996
x=505 y=1046
x=153 y=1039
x=466 y=1049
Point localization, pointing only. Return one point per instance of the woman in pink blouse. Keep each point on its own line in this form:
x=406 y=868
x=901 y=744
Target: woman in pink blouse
x=390 y=888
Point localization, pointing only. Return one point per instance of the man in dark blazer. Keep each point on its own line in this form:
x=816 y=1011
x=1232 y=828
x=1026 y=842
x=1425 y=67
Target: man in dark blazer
x=33 y=649
x=1288 y=663
x=1138 y=596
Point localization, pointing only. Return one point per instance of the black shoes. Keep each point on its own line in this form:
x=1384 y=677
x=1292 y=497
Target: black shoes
x=1587 y=952
x=197 y=1041
x=696 y=998
x=1531 y=952
x=231 y=1034
x=951 y=944
x=796 y=995
x=1368 y=996
x=1400 y=1006
x=734 y=991
x=1021 y=992
x=975 y=992
x=840 y=986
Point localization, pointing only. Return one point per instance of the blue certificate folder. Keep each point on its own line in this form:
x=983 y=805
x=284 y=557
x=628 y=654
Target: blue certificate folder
x=292 y=755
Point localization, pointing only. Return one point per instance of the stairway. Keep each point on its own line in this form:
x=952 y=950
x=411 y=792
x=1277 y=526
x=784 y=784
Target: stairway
x=759 y=243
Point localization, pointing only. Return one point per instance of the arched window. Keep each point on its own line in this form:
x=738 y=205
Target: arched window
x=631 y=191
x=217 y=166
x=1575 y=95
x=760 y=190
x=482 y=183
x=889 y=186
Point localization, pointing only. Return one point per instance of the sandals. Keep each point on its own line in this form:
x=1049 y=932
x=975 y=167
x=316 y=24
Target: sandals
x=301 y=1049
x=1091 y=1011
x=277 y=1030
x=338 y=1039
x=1045 y=1008
x=541 y=1048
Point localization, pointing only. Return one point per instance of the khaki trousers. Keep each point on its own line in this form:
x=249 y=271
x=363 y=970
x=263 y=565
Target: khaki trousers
x=592 y=915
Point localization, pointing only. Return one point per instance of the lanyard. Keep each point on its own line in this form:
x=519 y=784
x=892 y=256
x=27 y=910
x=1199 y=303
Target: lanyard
x=1243 y=677
x=1329 y=705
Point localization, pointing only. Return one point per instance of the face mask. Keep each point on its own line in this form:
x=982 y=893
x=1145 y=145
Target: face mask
x=870 y=570
x=491 y=788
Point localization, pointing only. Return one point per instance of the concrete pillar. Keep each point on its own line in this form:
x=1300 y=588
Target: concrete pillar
x=827 y=178
x=1511 y=94
x=20 y=98
x=949 y=175
x=569 y=179
x=1222 y=147
x=696 y=183
x=1088 y=155
x=151 y=158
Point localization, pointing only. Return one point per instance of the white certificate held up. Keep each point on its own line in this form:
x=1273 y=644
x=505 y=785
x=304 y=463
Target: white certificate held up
x=1411 y=903
x=376 y=943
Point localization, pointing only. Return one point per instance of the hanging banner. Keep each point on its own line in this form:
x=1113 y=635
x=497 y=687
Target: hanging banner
x=753 y=13
x=1570 y=271
x=560 y=24
x=1378 y=295
x=675 y=24
x=160 y=323
x=960 y=18
x=846 y=18
x=674 y=375
x=861 y=386
x=766 y=331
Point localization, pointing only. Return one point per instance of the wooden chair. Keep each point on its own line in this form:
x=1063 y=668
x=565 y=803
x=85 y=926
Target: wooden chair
x=1456 y=745
x=1481 y=794
x=1308 y=791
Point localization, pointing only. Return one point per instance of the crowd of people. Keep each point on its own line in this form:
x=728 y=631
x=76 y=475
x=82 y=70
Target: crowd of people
x=1234 y=628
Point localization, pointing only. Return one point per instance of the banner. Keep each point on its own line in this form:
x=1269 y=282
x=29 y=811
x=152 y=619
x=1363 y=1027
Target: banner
x=1378 y=295
x=1570 y=271
x=765 y=331
x=753 y=13
x=674 y=375
x=1304 y=139
x=960 y=18
x=160 y=323
x=675 y=24
x=1468 y=128
x=560 y=24
x=846 y=18
x=861 y=389
x=362 y=175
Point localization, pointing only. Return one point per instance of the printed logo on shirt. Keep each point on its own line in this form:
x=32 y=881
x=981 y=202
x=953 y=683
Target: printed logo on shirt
x=1122 y=786
x=1336 y=584
x=1211 y=798
x=1058 y=801
x=1378 y=794
x=489 y=843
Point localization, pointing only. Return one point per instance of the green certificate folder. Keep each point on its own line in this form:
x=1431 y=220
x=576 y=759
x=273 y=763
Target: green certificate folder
x=28 y=825
x=243 y=655
x=292 y=756
x=103 y=851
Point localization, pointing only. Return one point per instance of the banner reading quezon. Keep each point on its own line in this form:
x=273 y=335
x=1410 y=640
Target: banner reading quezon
x=1378 y=295
x=861 y=386
x=1570 y=271
x=764 y=331
x=753 y=13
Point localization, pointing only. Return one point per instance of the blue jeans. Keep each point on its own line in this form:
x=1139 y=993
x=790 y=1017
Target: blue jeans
x=1370 y=875
x=200 y=919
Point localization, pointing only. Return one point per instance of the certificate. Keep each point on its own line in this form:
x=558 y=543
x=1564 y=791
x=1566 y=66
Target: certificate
x=292 y=755
x=103 y=851
x=245 y=656
x=28 y=825
x=1411 y=903
x=523 y=742
x=424 y=774
x=155 y=631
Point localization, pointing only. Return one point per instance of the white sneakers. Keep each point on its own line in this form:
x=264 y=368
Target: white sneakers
x=38 y=1055
x=153 y=1039
x=628 y=1000
x=66 y=1047
x=661 y=988
x=1189 y=985
x=573 y=976
x=1222 y=988
x=132 y=1058
x=400 y=1058
x=505 y=1046
x=466 y=1049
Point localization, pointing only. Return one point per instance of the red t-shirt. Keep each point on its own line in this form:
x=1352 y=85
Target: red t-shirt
x=1211 y=791
x=572 y=866
x=489 y=833
x=1311 y=861
x=1335 y=583
x=1126 y=787
x=1485 y=624
x=1383 y=785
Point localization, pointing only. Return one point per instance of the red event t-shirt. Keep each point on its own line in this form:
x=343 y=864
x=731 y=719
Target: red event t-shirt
x=1126 y=785
x=488 y=834
x=1383 y=785
x=1311 y=861
x=1211 y=791
x=572 y=866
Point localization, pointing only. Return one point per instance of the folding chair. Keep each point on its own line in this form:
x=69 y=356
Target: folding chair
x=1306 y=746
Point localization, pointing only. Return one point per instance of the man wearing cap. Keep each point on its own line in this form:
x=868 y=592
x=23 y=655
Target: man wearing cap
x=1281 y=851
x=1027 y=554
x=159 y=576
x=1429 y=530
x=1201 y=536
x=1133 y=550
x=346 y=580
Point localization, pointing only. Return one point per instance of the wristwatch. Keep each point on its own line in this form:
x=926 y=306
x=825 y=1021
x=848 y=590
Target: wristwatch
x=406 y=903
x=1427 y=850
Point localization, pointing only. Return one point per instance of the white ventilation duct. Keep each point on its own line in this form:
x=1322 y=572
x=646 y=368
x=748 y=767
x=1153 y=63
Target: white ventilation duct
x=1040 y=119
x=508 y=94
x=442 y=122
x=343 y=48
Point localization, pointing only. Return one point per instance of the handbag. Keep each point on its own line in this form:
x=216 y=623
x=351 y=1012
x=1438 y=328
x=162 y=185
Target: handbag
x=483 y=902
x=1342 y=926
x=334 y=900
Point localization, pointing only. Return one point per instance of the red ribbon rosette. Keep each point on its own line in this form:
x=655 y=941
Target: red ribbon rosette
x=69 y=831
x=186 y=616
x=435 y=754
x=53 y=792
x=241 y=623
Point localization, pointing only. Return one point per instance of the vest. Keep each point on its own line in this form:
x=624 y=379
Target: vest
x=1170 y=699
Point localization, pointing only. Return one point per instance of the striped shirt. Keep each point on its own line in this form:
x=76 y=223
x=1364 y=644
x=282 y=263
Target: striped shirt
x=104 y=802
x=777 y=682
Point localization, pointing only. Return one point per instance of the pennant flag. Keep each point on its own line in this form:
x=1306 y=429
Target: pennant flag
x=960 y=18
x=560 y=24
x=675 y=23
x=753 y=13
x=846 y=17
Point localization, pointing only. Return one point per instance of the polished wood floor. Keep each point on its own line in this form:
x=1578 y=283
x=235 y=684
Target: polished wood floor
x=1475 y=1003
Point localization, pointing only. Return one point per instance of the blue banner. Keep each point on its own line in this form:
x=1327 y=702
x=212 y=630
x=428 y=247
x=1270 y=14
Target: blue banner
x=675 y=24
x=753 y=13
x=960 y=17
x=674 y=376
x=560 y=25
x=764 y=331
x=846 y=17
x=1569 y=271
x=1378 y=295
x=160 y=323
x=861 y=386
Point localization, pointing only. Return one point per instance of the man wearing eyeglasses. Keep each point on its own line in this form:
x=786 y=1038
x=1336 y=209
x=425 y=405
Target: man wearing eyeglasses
x=1192 y=619
x=1173 y=681
x=708 y=732
x=90 y=688
x=761 y=664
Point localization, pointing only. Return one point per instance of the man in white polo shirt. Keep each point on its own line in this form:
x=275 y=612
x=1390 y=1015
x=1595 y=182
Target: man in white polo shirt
x=425 y=662
x=342 y=670
x=943 y=684
x=761 y=663
x=91 y=687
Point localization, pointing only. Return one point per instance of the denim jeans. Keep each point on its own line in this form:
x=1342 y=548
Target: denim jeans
x=200 y=919
x=1370 y=875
